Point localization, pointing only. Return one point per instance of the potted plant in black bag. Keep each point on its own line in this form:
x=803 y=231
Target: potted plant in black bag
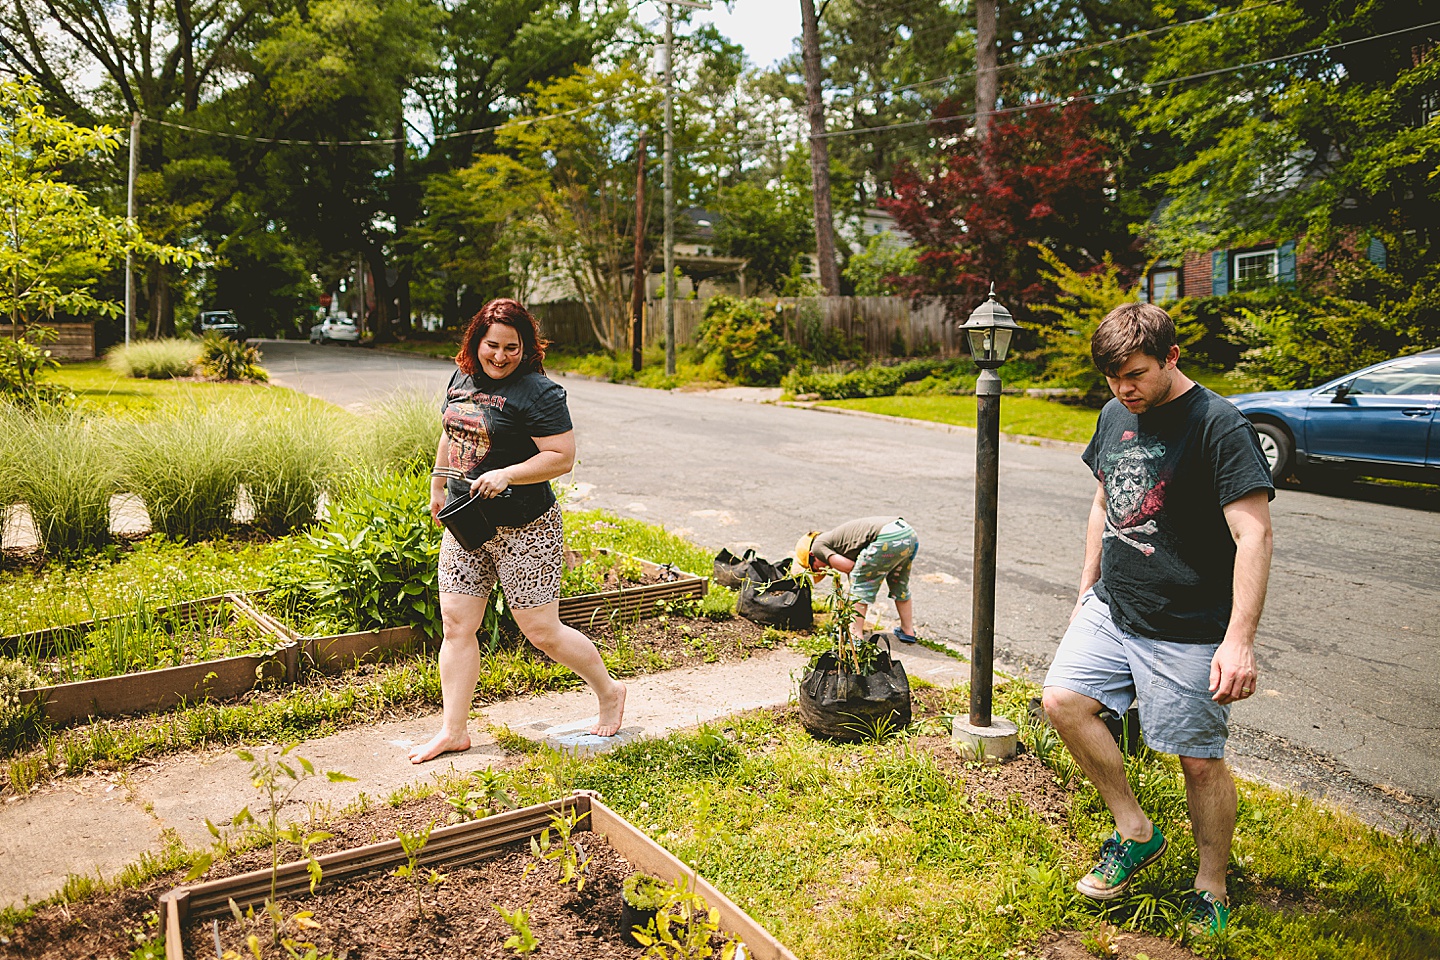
x=854 y=690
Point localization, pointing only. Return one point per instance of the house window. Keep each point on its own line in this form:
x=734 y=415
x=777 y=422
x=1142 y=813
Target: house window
x=1256 y=268
x=1164 y=285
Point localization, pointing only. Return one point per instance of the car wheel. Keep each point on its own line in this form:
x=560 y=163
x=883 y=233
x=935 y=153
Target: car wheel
x=1275 y=443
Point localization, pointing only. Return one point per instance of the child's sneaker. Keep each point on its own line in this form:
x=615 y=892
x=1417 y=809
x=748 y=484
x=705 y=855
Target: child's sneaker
x=904 y=637
x=1120 y=860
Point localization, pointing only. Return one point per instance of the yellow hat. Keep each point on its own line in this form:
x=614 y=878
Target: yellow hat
x=802 y=548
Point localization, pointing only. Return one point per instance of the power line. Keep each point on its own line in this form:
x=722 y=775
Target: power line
x=1135 y=87
x=1073 y=51
x=390 y=141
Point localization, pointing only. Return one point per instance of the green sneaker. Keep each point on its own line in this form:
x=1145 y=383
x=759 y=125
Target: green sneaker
x=1120 y=860
x=1206 y=912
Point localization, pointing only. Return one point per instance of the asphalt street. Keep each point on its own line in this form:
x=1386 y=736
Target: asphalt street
x=1348 y=705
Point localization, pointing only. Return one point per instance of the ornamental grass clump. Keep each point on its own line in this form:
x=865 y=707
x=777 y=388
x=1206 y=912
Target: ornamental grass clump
x=154 y=359
x=186 y=464
x=61 y=464
x=401 y=433
x=290 y=456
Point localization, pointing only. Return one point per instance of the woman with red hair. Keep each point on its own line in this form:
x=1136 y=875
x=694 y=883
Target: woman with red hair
x=505 y=427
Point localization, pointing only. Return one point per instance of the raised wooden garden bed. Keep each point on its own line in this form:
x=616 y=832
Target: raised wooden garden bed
x=450 y=848
x=160 y=689
x=643 y=600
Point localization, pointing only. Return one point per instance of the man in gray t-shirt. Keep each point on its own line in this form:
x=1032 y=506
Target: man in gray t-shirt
x=873 y=550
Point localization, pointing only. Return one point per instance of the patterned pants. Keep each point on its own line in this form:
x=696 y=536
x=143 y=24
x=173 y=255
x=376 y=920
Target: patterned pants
x=886 y=560
x=526 y=560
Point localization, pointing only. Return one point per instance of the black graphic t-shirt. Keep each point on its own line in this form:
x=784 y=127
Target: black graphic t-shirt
x=1168 y=560
x=491 y=424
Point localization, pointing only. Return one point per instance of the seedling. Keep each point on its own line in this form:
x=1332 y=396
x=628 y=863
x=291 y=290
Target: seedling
x=269 y=774
x=522 y=941
x=413 y=844
x=1104 y=941
x=683 y=927
x=489 y=796
x=564 y=851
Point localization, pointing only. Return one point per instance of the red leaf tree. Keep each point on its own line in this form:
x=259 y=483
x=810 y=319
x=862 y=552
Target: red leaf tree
x=1039 y=177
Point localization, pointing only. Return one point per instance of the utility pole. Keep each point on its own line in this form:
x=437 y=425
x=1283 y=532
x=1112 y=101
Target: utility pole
x=130 y=220
x=637 y=286
x=819 y=152
x=670 y=6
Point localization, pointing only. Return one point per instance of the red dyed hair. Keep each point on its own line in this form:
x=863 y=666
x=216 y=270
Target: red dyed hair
x=516 y=317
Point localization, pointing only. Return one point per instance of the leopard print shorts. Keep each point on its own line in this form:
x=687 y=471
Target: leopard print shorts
x=526 y=560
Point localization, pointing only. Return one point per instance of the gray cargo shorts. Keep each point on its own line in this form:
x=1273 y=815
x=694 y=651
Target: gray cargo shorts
x=1170 y=681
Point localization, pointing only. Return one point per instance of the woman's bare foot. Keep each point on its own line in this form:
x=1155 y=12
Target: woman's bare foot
x=612 y=712
x=442 y=742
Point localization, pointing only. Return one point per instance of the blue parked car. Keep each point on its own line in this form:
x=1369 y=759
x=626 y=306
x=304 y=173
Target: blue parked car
x=1376 y=422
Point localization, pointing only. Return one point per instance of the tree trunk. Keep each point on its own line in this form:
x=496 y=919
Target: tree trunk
x=162 y=304
x=403 y=320
x=380 y=326
x=986 y=65
x=819 y=153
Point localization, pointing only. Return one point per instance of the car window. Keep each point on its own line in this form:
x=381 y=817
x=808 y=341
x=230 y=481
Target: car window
x=1413 y=376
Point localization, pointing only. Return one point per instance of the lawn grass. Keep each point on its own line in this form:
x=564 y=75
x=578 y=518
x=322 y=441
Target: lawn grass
x=880 y=851
x=154 y=571
x=98 y=389
x=1027 y=416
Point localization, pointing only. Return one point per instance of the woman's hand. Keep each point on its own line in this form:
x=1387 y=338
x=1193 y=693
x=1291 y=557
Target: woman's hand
x=491 y=483
x=437 y=502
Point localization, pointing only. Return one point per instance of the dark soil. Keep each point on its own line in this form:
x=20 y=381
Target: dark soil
x=1070 y=945
x=377 y=917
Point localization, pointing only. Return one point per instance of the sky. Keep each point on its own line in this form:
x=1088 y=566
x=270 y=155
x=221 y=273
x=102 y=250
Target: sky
x=765 y=28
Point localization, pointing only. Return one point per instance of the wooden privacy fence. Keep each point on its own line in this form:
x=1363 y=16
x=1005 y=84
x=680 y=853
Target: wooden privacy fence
x=887 y=326
x=75 y=341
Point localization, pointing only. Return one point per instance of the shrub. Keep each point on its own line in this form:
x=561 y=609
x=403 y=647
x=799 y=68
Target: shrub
x=402 y=433
x=372 y=563
x=1298 y=343
x=877 y=380
x=23 y=364
x=224 y=359
x=185 y=463
x=62 y=465
x=290 y=455
x=154 y=359
x=742 y=335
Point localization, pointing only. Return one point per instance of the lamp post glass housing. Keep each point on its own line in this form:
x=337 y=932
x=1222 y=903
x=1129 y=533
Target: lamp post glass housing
x=988 y=333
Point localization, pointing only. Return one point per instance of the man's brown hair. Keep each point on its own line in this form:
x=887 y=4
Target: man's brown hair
x=1128 y=329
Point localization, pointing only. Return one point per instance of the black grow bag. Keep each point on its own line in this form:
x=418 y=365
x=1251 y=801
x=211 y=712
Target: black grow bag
x=837 y=705
x=776 y=595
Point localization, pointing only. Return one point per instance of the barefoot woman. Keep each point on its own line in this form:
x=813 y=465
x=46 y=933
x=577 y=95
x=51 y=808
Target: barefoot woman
x=506 y=426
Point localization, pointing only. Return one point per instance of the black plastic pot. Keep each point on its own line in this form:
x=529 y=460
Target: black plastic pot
x=631 y=915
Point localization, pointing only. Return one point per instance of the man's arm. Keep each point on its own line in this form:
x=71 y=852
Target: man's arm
x=1232 y=671
x=1094 y=538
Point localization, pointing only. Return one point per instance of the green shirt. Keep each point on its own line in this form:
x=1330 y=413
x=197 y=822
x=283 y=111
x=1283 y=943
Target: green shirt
x=849 y=539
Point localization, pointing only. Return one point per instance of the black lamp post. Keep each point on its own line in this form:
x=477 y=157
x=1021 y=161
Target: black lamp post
x=988 y=332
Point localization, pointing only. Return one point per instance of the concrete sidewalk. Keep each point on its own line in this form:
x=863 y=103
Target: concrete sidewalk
x=101 y=823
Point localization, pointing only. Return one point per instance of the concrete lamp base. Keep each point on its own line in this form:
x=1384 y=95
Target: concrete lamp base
x=993 y=744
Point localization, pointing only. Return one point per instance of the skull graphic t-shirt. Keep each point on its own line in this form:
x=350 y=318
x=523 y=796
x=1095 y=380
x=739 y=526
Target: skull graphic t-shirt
x=492 y=424
x=1167 y=558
